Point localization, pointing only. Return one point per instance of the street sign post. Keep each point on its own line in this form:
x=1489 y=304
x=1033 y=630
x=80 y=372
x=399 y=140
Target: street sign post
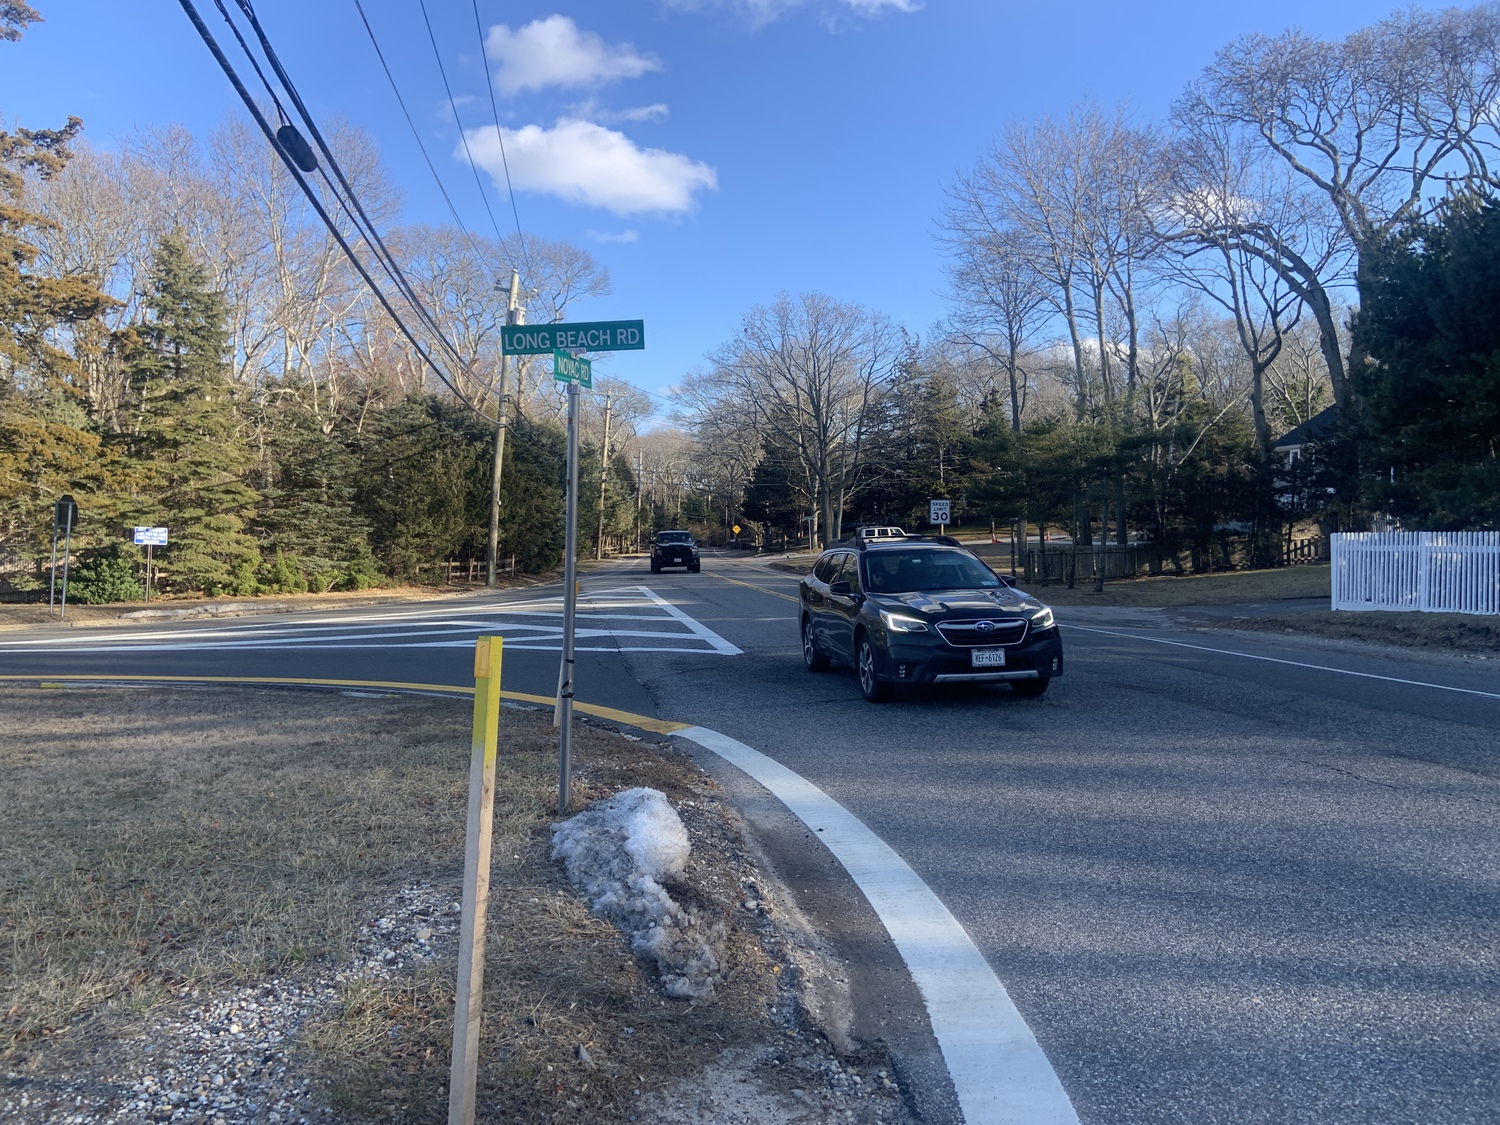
x=940 y=512
x=150 y=537
x=65 y=516
x=584 y=336
x=567 y=368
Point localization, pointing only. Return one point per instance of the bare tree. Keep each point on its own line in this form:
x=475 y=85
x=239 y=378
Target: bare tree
x=1000 y=294
x=1224 y=184
x=1378 y=125
x=805 y=373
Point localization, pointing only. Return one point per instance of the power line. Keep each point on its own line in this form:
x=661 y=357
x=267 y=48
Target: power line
x=453 y=105
x=312 y=196
x=489 y=84
x=416 y=134
x=363 y=223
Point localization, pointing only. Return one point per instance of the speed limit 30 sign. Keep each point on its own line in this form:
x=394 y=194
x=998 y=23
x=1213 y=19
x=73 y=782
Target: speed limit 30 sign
x=941 y=511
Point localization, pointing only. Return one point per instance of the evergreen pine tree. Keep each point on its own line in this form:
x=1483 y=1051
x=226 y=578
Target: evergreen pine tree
x=47 y=444
x=187 y=437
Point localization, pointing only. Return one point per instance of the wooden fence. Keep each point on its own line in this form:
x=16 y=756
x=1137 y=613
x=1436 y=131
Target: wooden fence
x=1421 y=571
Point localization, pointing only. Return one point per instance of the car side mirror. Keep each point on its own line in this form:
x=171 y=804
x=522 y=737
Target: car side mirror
x=1008 y=580
x=840 y=588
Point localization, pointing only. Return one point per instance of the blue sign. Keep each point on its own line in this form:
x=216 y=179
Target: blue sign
x=150 y=537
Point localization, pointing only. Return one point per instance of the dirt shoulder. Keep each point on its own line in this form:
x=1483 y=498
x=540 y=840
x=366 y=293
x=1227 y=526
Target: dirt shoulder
x=1435 y=632
x=240 y=905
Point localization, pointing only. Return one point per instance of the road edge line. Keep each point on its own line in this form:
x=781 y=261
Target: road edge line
x=999 y=1071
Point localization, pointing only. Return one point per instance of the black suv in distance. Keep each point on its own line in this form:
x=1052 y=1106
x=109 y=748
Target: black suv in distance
x=674 y=548
x=920 y=610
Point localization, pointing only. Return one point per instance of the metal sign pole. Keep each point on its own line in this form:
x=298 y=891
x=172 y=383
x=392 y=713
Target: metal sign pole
x=52 y=581
x=67 y=550
x=570 y=610
x=148 y=573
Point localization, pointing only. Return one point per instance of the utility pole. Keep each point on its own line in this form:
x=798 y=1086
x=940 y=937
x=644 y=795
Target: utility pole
x=609 y=399
x=512 y=316
x=639 y=483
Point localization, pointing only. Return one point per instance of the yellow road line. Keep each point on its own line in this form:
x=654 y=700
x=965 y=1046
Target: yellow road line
x=644 y=722
x=748 y=585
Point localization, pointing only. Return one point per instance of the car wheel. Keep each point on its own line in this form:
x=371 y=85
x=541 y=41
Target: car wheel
x=815 y=660
x=655 y=567
x=696 y=567
x=869 y=682
x=1031 y=688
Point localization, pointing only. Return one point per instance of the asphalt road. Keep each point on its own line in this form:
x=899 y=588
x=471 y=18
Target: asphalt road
x=1225 y=878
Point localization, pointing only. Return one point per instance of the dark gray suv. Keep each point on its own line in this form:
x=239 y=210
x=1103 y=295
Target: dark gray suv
x=674 y=548
x=919 y=610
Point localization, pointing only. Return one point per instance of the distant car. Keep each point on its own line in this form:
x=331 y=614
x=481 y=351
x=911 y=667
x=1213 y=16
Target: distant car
x=922 y=610
x=674 y=548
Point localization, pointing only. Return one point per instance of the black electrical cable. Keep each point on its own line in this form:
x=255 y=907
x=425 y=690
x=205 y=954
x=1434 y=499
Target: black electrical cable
x=453 y=105
x=312 y=196
x=416 y=134
x=489 y=84
x=363 y=223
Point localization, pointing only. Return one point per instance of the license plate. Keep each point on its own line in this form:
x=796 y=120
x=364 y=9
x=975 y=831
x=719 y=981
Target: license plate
x=987 y=658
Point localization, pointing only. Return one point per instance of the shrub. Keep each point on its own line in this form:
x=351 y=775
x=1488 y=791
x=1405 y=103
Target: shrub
x=106 y=576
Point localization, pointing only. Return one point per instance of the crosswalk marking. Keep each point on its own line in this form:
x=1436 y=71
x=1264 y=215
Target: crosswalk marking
x=634 y=618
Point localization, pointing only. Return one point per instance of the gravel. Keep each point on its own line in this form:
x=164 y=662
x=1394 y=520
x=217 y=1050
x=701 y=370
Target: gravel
x=228 y=1057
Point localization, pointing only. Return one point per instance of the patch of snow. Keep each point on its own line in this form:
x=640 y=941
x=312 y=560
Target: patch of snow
x=622 y=852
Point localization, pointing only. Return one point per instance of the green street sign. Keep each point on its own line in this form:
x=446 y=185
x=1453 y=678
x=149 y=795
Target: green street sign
x=572 y=369
x=585 y=336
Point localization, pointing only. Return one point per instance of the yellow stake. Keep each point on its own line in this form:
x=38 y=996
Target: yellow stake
x=469 y=1004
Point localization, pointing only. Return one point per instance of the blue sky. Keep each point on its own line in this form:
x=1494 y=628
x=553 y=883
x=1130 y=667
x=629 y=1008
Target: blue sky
x=711 y=153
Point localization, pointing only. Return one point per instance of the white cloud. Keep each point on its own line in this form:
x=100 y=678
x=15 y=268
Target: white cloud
x=761 y=12
x=610 y=236
x=585 y=163
x=657 y=111
x=591 y=110
x=554 y=52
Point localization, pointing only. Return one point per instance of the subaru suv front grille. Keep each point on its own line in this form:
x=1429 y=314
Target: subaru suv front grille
x=972 y=634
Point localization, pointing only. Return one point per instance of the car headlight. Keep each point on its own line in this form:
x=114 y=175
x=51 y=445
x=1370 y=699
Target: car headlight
x=1042 y=619
x=900 y=623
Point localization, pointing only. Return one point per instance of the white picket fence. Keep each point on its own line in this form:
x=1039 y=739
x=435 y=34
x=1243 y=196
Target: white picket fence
x=1426 y=571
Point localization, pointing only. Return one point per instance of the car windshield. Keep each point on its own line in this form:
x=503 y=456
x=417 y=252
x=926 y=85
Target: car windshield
x=674 y=537
x=904 y=572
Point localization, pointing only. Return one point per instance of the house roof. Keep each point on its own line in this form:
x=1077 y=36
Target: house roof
x=1320 y=425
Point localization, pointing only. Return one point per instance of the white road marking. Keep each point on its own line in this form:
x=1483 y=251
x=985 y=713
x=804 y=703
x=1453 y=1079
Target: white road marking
x=999 y=1071
x=719 y=644
x=534 y=625
x=1292 y=663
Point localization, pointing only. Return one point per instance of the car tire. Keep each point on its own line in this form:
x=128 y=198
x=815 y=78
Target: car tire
x=867 y=666
x=696 y=567
x=655 y=567
x=1030 y=688
x=814 y=660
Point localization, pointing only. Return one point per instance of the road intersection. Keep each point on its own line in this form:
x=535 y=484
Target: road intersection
x=1224 y=878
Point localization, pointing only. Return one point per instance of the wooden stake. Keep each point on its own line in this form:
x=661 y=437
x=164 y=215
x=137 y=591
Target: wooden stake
x=469 y=1006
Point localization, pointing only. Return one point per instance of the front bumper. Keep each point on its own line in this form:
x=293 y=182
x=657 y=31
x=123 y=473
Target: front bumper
x=935 y=661
x=675 y=558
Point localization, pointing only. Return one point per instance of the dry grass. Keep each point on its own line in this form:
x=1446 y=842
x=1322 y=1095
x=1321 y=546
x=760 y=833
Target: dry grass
x=1238 y=587
x=157 y=840
x=1450 y=632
